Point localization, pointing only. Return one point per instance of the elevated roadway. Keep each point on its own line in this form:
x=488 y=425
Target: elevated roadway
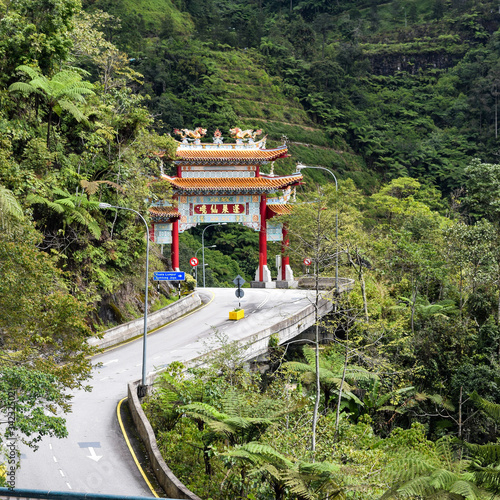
x=94 y=458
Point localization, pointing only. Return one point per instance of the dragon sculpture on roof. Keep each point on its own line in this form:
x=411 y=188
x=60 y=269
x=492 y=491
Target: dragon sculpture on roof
x=197 y=133
x=237 y=133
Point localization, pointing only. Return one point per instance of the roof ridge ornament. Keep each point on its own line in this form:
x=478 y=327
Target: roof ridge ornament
x=218 y=139
x=248 y=134
x=191 y=135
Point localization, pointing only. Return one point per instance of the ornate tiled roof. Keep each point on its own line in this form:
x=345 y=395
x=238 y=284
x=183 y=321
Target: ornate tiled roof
x=280 y=208
x=229 y=152
x=251 y=185
x=163 y=214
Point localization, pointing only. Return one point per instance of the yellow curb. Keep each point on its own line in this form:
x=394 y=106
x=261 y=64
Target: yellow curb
x=124 y=432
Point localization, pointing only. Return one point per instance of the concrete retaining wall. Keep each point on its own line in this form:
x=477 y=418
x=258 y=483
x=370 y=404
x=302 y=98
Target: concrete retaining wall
x=159 y=318
x=171 y=485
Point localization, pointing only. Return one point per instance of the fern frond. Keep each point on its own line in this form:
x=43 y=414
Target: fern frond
x=34 y=199
x=487 y=477
x=9 y=208
x=31 y=72
x=22 y=87
x=203 y=410
x=492 y=409
x=66 y=202
x=484 y=453
x=467 y=489
x=61 y=192
x=78 y=217
x=417 y=487
x=71 y=108
x=442 y=479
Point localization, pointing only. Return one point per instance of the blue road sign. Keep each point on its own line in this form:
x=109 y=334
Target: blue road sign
x=169 y=276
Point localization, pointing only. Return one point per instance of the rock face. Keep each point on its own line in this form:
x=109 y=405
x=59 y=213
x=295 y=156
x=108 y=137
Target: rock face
x=389 y=64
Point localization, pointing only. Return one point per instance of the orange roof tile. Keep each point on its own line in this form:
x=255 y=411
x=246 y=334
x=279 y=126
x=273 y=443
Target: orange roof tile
x=243 y=154
x=244 y=184
x=164 y=212
x=280 y=208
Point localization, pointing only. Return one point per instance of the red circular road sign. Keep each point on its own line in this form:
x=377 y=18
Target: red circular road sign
x=194 y=261
x=307 y=261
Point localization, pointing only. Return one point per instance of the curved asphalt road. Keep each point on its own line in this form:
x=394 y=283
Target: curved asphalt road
x=94 y=457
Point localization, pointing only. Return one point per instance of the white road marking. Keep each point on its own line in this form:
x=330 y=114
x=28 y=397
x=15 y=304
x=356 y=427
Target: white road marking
x=93 y=455
x=50 y=446
x=62 y=473
x=55 y=459
x=263 y=302
x=109 y=362
x=69 y=486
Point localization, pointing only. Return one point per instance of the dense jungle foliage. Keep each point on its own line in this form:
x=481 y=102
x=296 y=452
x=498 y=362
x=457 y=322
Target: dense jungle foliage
x=399 y=99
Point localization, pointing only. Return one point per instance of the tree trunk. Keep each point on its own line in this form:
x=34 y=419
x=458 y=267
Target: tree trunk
x=460 y=414
x=413 y=301
x=363 y=292
x=48 y=127
x=339 y=401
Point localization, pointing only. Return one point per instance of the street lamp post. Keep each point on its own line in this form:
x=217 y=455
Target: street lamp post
x=316 y=403
x=195 y=254
x=301 y=167
x=141 y=389
x=203 y=246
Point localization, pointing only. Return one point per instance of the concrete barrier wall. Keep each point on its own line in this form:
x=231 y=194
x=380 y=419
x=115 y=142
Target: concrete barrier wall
x=168 y=481
x=159 y=318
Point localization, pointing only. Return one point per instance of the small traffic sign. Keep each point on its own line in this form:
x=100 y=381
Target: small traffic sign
x=193 y=261
x=169 y=276
x=239 y=281
x=239 y=293
x=307 y=261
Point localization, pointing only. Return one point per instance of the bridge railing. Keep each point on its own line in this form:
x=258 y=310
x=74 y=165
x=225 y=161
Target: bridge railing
x=24 y=494
x=326 y=283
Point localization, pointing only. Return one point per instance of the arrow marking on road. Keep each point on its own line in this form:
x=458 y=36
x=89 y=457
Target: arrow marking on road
x=93 y=455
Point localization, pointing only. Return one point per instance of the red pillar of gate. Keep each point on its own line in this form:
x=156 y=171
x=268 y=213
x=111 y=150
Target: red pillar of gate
x=262 y=237
x=175 y=245
x=285 y=260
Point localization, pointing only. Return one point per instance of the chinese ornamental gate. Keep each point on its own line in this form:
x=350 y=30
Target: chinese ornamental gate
x=222 y=182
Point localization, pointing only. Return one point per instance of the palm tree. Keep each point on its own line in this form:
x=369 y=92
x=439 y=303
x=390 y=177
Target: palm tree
x=63 y=92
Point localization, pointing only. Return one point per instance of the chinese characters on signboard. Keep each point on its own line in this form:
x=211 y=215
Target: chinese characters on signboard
x=219 y=208
x=240 y=209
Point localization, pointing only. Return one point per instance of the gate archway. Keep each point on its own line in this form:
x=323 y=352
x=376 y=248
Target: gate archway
x=222 y=183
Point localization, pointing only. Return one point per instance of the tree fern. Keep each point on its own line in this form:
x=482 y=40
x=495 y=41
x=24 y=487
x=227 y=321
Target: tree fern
x=73 y=208
x=441 y=475
x=492 y=409
x=10 y=210
x=62 y=92
x=310 y=480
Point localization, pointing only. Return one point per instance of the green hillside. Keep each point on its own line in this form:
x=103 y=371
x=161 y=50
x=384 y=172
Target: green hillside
x=399 y=99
